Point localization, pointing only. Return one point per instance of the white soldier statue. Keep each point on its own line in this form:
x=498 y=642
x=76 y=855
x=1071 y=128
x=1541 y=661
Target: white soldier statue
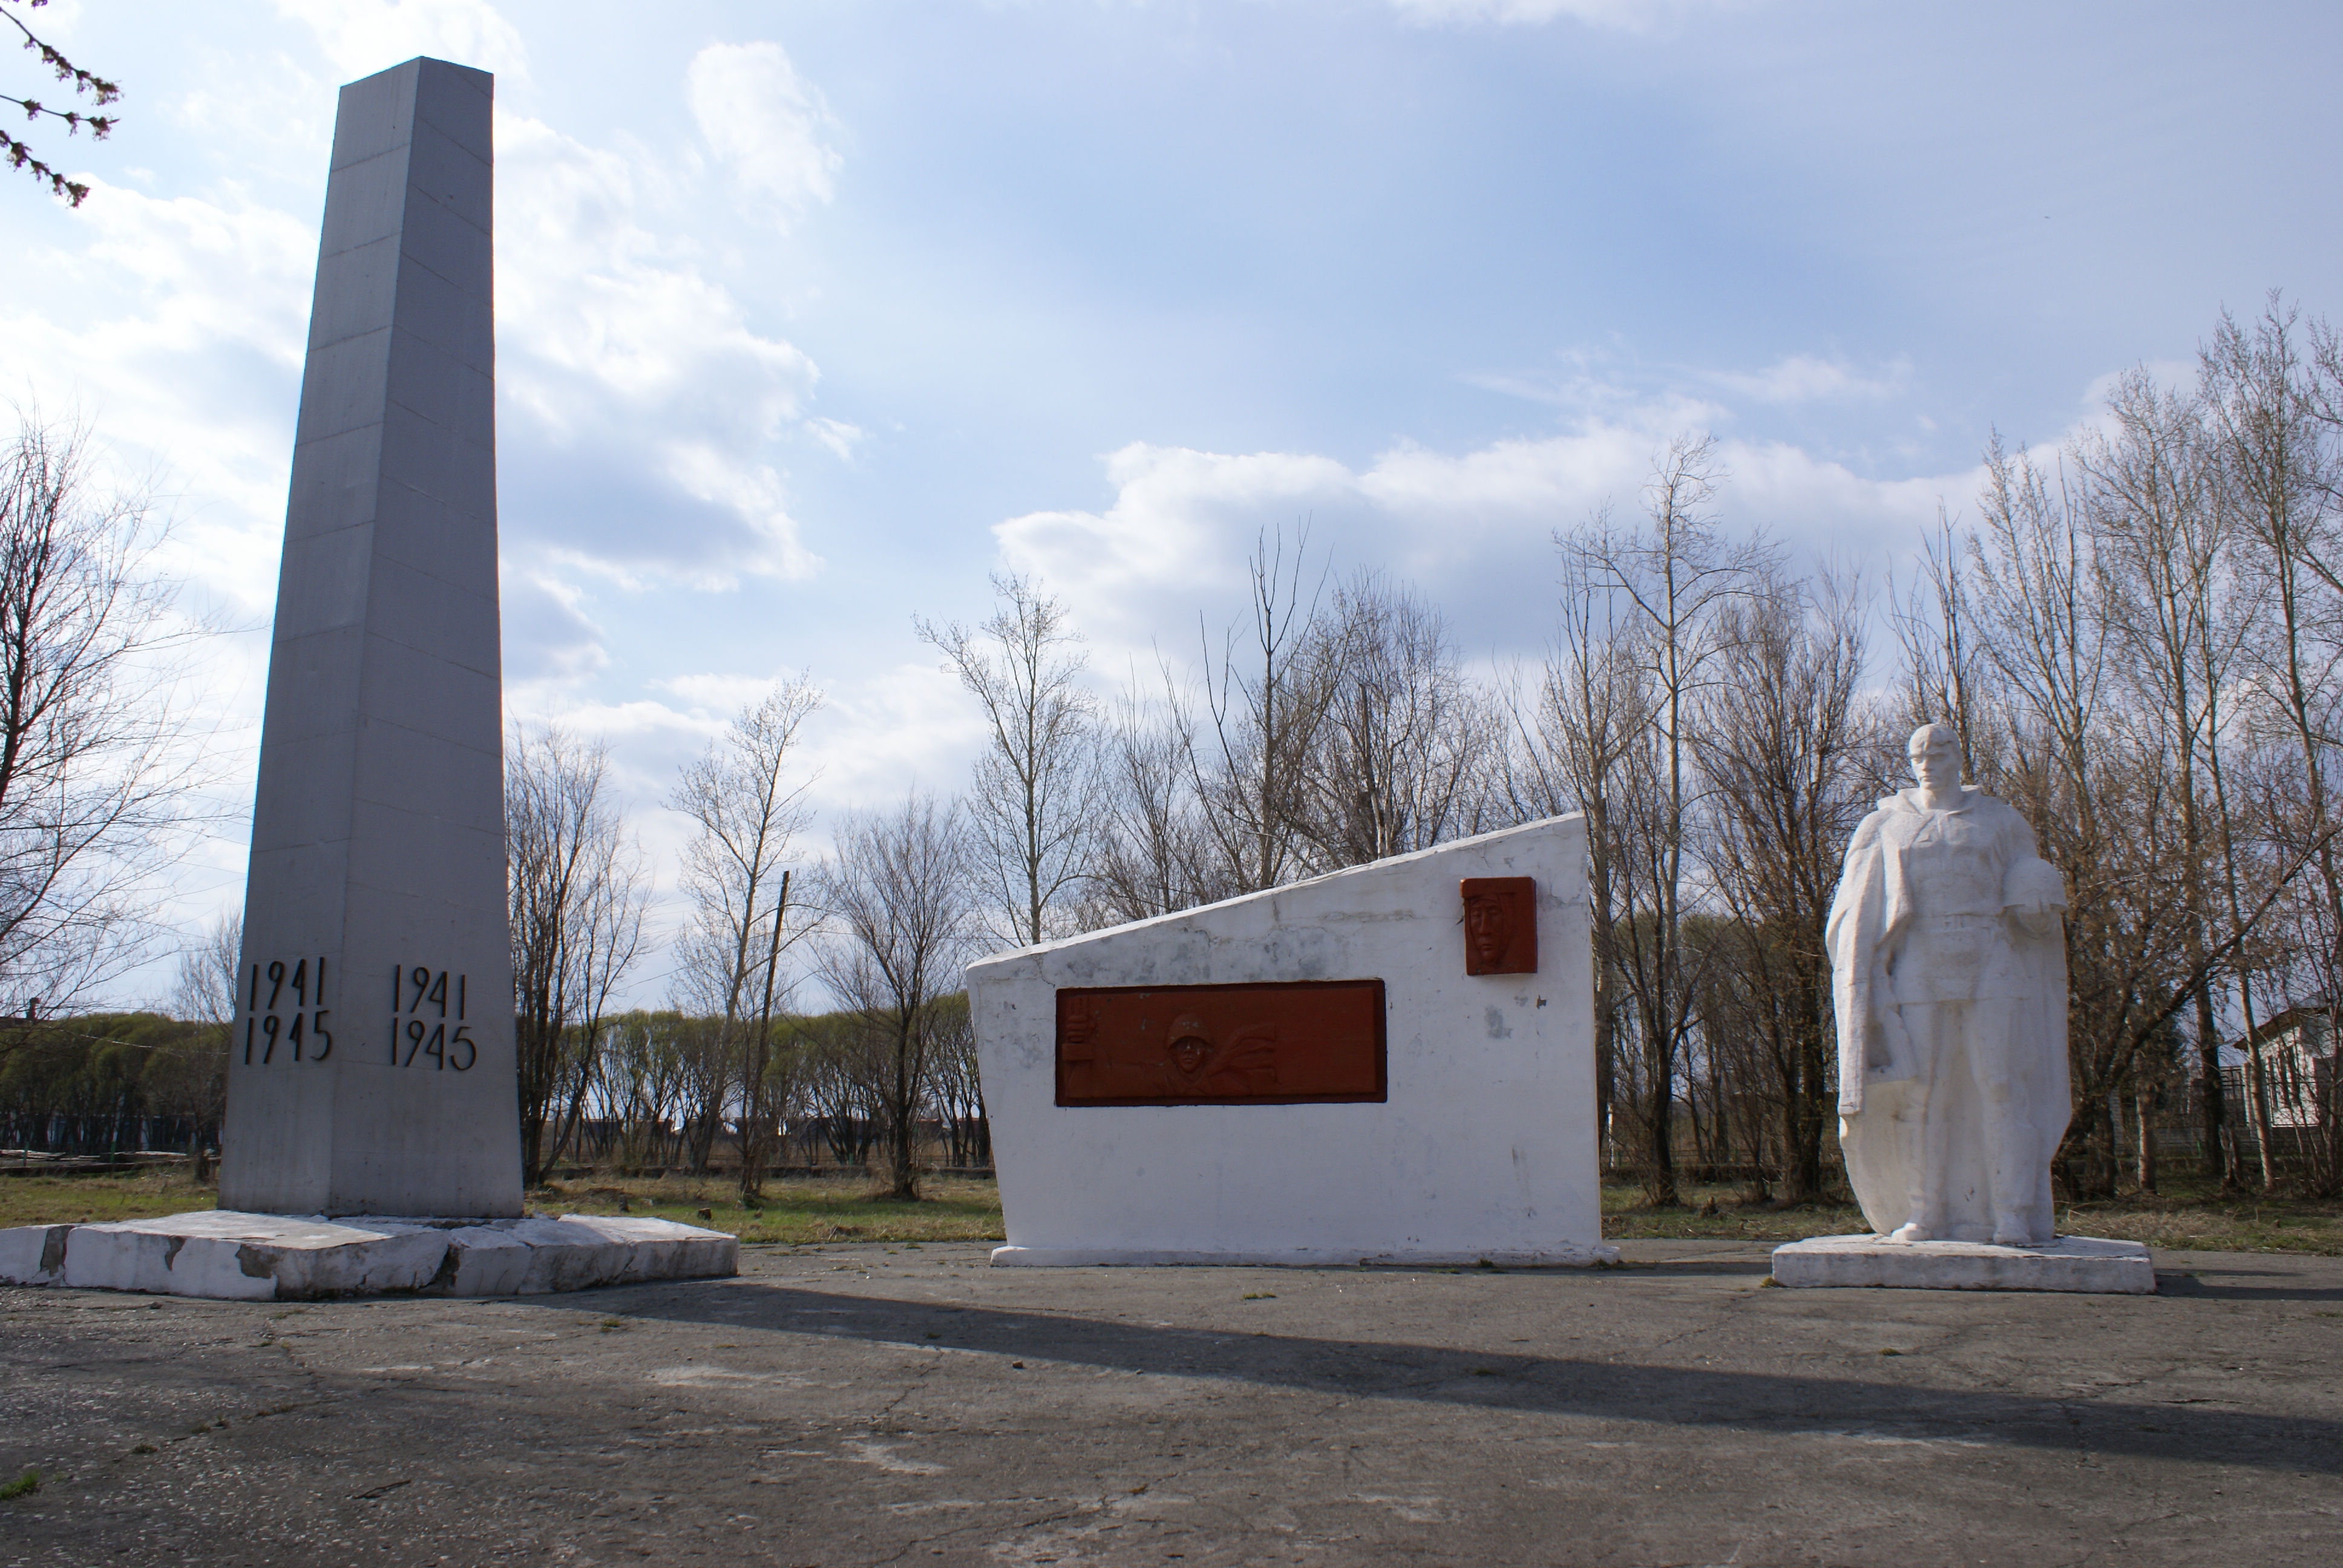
x=1949 y=980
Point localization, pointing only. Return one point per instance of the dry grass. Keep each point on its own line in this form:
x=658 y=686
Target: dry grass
x=795 y=1210
x=798 y=1209
x=1716 y=1214
x=2188 y=1216
x=82 y=1200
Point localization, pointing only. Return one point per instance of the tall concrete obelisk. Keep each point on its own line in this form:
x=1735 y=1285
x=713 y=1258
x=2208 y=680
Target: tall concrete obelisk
x=371 y=1070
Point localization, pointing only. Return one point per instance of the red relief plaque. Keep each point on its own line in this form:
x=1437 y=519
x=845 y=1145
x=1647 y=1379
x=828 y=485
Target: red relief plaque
x=1304 y=1042
x=1500 y=925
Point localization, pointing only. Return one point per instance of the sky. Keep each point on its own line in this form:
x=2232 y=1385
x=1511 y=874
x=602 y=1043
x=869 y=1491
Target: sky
x=813 y=317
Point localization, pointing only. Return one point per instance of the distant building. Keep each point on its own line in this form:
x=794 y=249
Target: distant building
x=2298 y=1052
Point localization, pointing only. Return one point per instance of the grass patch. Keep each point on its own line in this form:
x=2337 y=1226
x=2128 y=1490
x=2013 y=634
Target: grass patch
x=2189 y=1215
x=23 y=1485
x=1716 y=1214
x=94 y=1198
x=795 y=1210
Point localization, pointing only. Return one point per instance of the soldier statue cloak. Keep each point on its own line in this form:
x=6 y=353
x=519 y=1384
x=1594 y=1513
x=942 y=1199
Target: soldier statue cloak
x=1949 y=984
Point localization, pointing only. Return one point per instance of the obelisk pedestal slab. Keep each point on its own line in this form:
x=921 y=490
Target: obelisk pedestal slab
x=371 y=1070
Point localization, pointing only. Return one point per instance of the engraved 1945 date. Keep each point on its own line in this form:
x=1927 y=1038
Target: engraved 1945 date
x=426 y=1019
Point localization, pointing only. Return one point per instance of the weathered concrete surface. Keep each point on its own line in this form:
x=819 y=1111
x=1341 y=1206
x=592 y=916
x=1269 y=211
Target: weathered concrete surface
x=862 y=1405
x=232 y=1256
x=2084 y=1263
x=1486 y=1146
x=371 y=1070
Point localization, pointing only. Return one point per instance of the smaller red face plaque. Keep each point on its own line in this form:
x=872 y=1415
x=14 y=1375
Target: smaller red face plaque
x=1500 y=925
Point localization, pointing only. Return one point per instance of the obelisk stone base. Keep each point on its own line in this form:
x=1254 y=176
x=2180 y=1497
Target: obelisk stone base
x=232 y=1256
x=2080 y=1264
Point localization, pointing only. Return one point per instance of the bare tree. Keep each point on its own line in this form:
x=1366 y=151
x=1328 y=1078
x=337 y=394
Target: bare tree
x=958 y=1088
x=1784 y=750
x=577 y=887
x=897 y=893
x=748 y=804
x=1402 y=748
x=93 y=778
x=1677 y=575
x=1033 y=809
x=639 y=1071
x=1153 y=856
x=1568 y=752
x=2273 y=405
x=1248 y=753
x=204 y=997
x=2159 y=533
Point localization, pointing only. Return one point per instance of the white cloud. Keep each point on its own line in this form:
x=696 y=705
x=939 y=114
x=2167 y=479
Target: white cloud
x=1804 y=379
x=645 y=400
x=363 y=36
x=765 y=121
x=150 y=299
x=837 y=436
x=1174 y=524
x=547 y=635
x=1473 y=529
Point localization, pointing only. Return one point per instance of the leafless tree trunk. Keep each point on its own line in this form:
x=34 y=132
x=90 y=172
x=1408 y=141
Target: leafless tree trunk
x=1568 y=750
x=1783 y=748
x=2158 y=537
x=2277 y=419
x=1037 y=785
x=1678 y=577
x=748 y=804
x=1404 y=741
x=95 y=775
x=576 y=885
x=1152 y=854
x=1248 y=756
x=204 y=996
x=768 y=1075
x=896 y=894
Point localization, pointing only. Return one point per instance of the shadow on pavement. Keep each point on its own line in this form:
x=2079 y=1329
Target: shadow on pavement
x=2195 y=1284
x=1772 y=1404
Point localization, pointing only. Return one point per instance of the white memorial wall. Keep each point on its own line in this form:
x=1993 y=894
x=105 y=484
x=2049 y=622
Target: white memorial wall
x=1392 y=1064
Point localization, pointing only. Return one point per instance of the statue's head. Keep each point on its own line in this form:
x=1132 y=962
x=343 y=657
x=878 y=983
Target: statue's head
x=1935 y=756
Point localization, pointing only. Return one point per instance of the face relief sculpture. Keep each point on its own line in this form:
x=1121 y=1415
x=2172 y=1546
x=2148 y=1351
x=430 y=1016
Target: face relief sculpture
x=1949 y=980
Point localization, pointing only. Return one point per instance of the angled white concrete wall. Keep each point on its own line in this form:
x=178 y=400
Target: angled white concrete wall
x=1483 y=1148
x=378 y=840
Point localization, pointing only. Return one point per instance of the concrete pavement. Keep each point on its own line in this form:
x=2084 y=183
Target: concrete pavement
x=864 y=1404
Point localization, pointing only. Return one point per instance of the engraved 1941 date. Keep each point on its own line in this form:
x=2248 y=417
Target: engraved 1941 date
x=426 y=1019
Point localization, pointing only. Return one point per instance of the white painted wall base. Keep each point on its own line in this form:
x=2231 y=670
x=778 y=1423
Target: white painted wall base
x=1484 y=1146
x=1298 y=1258
x=2083 y=1264
x=231 y=1256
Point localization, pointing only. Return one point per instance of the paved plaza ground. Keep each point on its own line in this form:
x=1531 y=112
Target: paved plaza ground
x=854 y=1404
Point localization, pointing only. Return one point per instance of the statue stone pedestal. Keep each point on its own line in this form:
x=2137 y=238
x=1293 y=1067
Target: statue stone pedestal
x=2080 y=1264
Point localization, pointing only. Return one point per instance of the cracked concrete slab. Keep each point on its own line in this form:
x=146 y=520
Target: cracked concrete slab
x=865 y=1404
